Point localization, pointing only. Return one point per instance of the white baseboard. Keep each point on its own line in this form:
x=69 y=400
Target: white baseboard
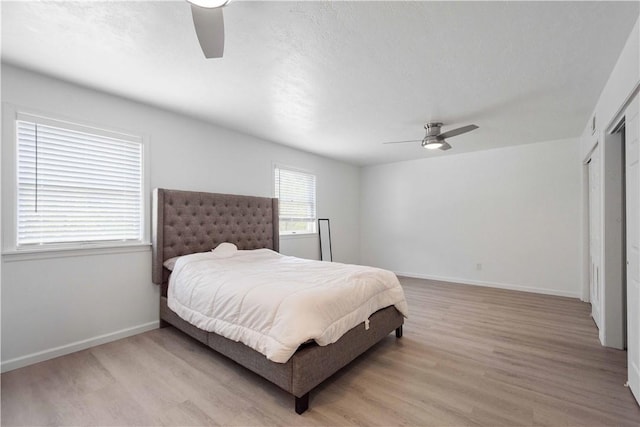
x=41 y=356
x=545 y=291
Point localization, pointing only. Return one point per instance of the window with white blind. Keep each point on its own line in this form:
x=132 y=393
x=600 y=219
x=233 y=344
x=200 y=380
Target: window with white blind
x=296 y=191
x=77 y=185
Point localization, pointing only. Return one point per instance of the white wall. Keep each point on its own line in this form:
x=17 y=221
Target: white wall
x=53 y=306
x=619 y=88
x=514 y=210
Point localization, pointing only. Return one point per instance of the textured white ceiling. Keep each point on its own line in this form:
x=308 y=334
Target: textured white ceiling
x=340 y=78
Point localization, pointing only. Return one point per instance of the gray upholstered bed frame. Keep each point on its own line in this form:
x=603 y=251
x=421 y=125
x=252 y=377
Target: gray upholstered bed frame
x=186 y=222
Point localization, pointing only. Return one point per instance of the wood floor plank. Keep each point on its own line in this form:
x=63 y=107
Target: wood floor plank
x=470 y=356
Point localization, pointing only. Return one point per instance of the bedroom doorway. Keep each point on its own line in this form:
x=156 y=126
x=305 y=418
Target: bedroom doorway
x=611 y=187
x=614 y=290
x=606 y=231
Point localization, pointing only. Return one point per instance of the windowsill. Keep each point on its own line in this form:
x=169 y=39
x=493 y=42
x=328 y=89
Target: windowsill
x=59 y=252
x=298 y=236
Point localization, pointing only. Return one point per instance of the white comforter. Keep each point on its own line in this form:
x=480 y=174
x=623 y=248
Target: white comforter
x=273 y=303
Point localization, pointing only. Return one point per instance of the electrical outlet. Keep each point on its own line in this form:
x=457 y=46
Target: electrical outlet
x=479 y=266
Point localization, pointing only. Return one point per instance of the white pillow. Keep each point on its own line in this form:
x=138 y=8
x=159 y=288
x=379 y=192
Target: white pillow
x=170 y=263
x=225 y=250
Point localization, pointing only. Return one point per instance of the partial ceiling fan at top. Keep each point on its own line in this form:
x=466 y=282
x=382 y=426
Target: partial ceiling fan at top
x=433 y=139
x=209 y=24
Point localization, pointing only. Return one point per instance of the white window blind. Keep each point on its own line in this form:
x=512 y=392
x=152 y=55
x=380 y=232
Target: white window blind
x=296 y=192
x=76 y=186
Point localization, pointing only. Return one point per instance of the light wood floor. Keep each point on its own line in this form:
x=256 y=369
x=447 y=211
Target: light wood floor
x=469 y=356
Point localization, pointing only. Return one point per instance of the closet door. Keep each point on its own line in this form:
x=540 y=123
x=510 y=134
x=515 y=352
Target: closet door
x=632 y=134
x=595 y=243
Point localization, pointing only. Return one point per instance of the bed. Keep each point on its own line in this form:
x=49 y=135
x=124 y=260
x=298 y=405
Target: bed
x=186 y=222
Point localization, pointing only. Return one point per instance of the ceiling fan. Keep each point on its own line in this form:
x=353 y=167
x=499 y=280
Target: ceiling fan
x=434 y=139
x=209 y=24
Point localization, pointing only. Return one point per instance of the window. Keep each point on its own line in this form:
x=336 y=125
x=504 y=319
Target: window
x=77 y=184
x=296 y=192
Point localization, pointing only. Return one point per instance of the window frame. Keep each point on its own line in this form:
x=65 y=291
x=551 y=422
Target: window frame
x=11 y=115
x=293 y=235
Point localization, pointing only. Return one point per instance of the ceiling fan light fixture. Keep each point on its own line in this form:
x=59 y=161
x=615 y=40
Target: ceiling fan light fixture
x=209 y=4
x=434 y=139
x=431 y=143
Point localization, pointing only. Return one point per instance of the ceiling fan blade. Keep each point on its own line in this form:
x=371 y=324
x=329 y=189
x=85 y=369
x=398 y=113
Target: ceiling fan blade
x=402 y=142
x=445 y=146
x=456 y=132
x=209 y=25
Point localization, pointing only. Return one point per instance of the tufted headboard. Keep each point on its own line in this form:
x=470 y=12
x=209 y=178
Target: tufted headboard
x=185 y=222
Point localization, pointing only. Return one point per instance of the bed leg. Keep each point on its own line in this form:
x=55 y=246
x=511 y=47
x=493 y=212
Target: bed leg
x=399 y=332
x=302 y=403
x=164 y=324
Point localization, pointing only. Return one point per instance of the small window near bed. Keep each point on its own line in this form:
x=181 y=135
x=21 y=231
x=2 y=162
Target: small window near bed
x=77 y=185
x=296 y=191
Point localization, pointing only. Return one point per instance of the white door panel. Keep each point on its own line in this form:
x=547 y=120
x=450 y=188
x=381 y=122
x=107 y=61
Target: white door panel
x=632 y=135
x=594 y=234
